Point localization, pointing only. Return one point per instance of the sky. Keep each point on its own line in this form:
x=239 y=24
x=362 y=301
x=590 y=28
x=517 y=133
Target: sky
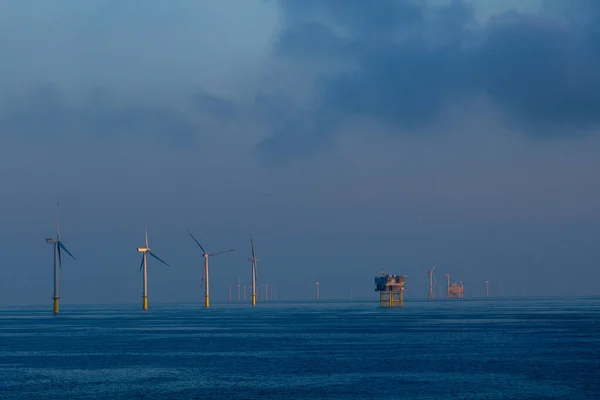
x=348 y=137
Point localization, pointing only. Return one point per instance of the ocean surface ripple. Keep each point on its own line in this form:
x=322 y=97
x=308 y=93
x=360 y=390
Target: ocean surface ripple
x=444 y=349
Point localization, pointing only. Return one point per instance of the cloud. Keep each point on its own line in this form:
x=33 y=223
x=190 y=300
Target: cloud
x=403 y=62
x=46 y=113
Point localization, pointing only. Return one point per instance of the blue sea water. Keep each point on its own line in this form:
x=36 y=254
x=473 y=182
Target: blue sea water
x=445 y=349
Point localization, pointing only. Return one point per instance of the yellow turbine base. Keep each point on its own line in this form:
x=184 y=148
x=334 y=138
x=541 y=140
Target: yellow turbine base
x=145 y=303
x=254 y=300
x=206 y=301
x=55 y=305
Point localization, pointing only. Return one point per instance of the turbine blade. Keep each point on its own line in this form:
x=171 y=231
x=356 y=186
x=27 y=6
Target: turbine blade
x=252 y=246
x=198 y=243
x=155 y=256
x=65 y=249
x=142 y=264
x=59 y=256
x=58 y=216
x=203 y=273
x=222 y=252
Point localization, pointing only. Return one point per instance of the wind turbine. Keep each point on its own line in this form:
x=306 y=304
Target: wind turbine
x=205 y=272
x=253 y=260
x=57 y=244
x=262 y=292
x=144 y=267
x=431 y=294
x=487 y=289
x=266 y=292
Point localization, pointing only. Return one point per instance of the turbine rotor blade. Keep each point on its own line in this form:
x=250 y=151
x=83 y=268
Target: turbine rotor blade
x=198 y=243
x=58 y=216
x=59 y=256
x=222 y=252
x=65 y=249
x=142 y=264
x=252 y=246
x=155 y=256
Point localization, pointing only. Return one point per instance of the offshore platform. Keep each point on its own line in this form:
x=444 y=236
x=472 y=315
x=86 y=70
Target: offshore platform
x=390 y=288
x=456 y=291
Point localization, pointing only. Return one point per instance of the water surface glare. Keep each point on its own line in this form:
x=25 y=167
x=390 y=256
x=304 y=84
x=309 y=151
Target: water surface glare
x=462 y=349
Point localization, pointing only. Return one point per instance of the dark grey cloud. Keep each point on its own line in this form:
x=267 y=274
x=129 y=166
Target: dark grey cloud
x=402 y=62
x=46 y=113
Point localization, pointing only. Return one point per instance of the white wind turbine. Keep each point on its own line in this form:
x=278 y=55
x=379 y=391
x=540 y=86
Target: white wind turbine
x=253 y=260
x=57 y=244
x=144 y=266
x=205 y=272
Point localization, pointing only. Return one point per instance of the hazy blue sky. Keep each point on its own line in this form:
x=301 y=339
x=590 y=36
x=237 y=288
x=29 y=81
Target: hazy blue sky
x=348 y=136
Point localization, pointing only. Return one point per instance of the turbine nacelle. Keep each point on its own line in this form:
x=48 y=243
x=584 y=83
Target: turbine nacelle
x=143 y=249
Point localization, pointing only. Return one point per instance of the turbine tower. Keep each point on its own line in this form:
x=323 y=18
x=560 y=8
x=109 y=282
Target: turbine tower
x=487 y=289
x=253 y=260
x=57 y=244
x=318 y=294
x=266 y=292
x=431 y=294
x=144 y=266
x=205 y=272
x=238 y=288
x=448 y=287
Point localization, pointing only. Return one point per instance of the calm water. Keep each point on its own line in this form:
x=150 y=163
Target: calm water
x=464 y=349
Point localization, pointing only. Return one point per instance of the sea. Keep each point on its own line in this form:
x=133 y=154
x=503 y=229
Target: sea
x=492 y=348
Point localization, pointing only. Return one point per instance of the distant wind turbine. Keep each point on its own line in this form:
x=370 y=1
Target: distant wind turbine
x=253 y=260
x=57 y=245
x=205 y=272
x=266 y=292
x=431 y=294
x=144 y=267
